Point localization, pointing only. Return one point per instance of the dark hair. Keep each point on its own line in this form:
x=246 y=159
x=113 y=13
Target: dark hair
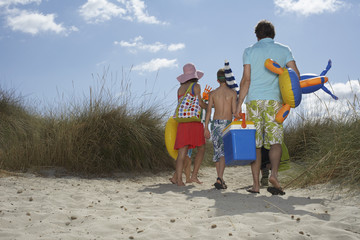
x=265 y=29
x=191 y=80
x=221 y=75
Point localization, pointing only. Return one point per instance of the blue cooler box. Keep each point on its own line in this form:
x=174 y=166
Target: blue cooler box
x=239 y=143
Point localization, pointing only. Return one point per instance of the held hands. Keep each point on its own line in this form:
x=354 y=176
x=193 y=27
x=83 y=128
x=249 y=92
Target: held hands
x=205 y=95
x=206 y=133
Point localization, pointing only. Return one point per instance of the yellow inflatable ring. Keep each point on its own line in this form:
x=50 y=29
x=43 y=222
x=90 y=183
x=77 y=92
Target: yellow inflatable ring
x=170 y=136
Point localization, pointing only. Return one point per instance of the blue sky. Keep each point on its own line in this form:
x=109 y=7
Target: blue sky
x=58 y=49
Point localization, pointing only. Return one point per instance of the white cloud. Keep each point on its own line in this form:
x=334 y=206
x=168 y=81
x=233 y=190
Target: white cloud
x=100 y=10
x=138 y=8
x=175 y=47
x=95 y=11
x=31 y=22
x=137 y=44
x=320 y=104
x=18 y=2
x=34 y=22
x=309 y=7
x=156 y=64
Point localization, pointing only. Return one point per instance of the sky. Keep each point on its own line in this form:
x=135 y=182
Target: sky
x=53 y=51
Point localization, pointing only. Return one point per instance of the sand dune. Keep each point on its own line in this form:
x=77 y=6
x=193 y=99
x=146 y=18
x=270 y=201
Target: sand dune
x=128 y=206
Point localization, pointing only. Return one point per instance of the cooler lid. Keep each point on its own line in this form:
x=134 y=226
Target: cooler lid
x=238 y=125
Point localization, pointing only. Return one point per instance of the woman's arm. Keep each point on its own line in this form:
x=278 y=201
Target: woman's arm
x=197 y=91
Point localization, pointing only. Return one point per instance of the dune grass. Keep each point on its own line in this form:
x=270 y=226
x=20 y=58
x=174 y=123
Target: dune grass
x=92 y=136
x=102 y=133
x=326 y=148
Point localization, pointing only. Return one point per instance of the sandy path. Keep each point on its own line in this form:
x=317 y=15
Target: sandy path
x=150 y=207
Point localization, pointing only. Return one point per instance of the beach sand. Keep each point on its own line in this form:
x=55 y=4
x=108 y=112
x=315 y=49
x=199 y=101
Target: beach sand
x=148 y=206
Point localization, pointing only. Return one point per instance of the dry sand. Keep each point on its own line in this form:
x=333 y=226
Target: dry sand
x=128 y=206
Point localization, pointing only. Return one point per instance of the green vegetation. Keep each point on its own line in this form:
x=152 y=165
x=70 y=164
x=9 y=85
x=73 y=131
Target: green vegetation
x=325 y=149
x=97 y=136
x=103 y=134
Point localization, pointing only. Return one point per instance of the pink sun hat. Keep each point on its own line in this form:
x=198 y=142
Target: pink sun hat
x=190 y=72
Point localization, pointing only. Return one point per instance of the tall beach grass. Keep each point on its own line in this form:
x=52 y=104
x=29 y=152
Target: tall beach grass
x=324 y=144
x=86 y=136
x=105 y=131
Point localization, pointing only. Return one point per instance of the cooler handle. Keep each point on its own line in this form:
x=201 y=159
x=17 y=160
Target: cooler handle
x=242 y=116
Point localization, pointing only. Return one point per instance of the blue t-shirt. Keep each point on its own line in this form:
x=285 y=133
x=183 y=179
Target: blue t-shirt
x=264 y=84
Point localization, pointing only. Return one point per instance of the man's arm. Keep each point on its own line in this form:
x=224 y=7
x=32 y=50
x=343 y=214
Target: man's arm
x=207 y=116
x=233 y=104
x=244 y=87
x=292 y=65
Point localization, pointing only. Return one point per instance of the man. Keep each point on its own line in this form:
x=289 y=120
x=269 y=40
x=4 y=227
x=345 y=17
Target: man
x=263 y=99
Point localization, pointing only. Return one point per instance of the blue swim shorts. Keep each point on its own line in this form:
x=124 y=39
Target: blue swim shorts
x=217 y=127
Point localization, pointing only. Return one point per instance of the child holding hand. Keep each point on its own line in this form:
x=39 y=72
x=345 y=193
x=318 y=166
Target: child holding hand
x=189 y=134
x=223 y=99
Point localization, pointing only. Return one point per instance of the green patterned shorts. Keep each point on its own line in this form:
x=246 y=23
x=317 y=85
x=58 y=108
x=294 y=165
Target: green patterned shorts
x=262 y=113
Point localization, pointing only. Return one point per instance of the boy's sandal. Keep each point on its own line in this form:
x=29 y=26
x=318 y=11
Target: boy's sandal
x=224 y=185
x=219 y=184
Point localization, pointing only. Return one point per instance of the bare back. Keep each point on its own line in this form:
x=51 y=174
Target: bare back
x=223 y=99
x=182 y=89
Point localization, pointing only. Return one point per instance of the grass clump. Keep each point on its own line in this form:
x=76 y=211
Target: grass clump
x=97 y=136
x=326 y=148
x=104 y=133
x=19 y=129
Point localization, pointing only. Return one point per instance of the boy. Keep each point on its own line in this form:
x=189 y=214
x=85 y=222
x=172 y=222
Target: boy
x=223 y=99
